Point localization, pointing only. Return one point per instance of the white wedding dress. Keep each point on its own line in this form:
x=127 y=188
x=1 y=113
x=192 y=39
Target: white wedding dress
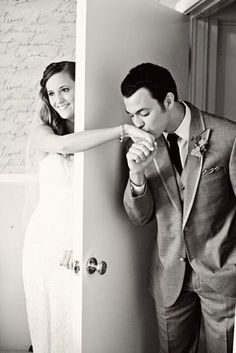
x=48 y=286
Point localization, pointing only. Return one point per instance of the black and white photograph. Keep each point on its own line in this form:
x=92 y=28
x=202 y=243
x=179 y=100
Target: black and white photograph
x=117 y=176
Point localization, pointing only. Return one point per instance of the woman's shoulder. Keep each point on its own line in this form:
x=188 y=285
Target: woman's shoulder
x=42 y=129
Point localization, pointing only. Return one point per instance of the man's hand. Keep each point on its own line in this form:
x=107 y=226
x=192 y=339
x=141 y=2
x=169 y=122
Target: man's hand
x=139 y=156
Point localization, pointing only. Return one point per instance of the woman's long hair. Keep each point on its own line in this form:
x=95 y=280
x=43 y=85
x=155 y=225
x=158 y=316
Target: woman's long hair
x=47 y=114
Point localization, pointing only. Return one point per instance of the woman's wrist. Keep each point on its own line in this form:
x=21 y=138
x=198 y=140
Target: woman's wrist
x=122 y=133
x=126 y=130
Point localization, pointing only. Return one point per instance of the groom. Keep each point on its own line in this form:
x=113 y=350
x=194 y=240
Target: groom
x=187 y=181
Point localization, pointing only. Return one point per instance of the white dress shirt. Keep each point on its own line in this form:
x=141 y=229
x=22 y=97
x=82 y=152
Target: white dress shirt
x=183 y=131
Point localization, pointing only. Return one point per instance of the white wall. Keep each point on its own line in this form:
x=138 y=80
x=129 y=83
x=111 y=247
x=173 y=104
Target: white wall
x=14 y=332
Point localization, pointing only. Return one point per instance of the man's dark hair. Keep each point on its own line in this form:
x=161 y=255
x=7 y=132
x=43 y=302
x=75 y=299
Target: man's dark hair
x=156 y=79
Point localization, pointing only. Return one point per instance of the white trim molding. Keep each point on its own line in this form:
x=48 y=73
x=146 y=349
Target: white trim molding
x=204 y=38
x=18 y=179
x=196 y=8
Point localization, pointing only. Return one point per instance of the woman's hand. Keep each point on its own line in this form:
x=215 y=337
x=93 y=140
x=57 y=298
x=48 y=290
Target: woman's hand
x=67 y=259
x=137 y=134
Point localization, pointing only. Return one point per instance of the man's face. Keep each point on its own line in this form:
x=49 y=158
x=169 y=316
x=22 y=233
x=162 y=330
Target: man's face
x=146 y=113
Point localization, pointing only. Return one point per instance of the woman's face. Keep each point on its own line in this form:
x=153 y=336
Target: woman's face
x=61 y=93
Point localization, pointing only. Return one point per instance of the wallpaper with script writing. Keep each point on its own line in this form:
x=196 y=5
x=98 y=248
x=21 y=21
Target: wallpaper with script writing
x=33 y=33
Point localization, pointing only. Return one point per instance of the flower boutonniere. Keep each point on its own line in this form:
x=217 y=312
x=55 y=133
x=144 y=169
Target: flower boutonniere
x=200 y=143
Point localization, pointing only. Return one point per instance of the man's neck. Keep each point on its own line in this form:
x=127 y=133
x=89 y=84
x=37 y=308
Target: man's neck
x=177 y=116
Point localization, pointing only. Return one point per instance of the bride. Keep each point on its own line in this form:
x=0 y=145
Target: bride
x=48 y=239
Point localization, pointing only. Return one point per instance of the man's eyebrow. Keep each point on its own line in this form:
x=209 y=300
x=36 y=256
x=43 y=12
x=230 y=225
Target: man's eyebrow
x=138 y=111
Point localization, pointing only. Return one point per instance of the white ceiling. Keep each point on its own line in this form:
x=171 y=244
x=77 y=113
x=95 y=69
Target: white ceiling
x=179 y=5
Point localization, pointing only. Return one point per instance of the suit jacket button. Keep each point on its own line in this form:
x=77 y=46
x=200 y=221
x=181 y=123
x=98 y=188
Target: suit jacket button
x=182 y=259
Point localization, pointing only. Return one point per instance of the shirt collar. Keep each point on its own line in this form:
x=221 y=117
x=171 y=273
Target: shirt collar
x=183 y=129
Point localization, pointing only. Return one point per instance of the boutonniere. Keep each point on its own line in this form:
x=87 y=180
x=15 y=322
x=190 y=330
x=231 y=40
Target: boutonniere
x=200 y=143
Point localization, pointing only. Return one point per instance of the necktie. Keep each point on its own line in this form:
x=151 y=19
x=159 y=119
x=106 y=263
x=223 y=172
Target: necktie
x=174 y=152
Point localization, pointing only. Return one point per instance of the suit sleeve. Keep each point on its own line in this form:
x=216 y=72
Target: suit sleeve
x=232 y=167
x=140 y=209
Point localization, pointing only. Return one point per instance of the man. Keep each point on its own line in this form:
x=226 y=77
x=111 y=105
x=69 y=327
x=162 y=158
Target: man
x=188 y=183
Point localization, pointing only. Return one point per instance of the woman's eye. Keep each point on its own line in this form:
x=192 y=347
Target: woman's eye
x=145 y=114
x=65 y=89
x=50 y=94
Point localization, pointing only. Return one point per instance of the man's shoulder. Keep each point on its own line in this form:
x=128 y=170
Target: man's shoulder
x=222 y=128
x=214 y=121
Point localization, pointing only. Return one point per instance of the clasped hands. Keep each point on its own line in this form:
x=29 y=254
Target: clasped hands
x=140 y=154
x=142 y=151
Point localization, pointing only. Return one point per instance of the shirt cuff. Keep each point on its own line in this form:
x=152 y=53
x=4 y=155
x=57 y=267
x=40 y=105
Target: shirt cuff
x=137 y=190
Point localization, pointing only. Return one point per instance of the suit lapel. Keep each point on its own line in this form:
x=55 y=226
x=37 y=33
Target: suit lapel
x=193 y=168
x=165 y=170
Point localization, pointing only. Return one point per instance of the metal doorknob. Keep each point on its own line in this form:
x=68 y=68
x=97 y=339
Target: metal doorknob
x=76 y=267
x=93 y=266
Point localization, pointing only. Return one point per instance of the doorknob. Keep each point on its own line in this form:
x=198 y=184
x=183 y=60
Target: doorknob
x=76 y=267
x=93 y=266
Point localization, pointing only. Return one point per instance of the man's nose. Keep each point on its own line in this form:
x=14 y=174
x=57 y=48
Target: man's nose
x=138 y=122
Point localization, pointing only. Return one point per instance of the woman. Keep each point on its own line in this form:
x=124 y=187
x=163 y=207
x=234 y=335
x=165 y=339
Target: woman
x=48 y=240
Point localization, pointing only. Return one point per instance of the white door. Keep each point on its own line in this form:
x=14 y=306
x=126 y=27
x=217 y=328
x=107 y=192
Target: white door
x=114 y=312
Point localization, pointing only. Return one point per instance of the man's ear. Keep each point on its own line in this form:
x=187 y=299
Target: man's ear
x=169 y=101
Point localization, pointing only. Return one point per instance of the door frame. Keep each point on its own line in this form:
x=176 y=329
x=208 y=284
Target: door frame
x=204 y=38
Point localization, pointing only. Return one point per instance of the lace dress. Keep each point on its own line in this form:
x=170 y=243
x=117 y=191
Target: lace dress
x=48 y=286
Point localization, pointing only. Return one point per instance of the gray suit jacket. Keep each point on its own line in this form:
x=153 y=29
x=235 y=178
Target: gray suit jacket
x=202 y=228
